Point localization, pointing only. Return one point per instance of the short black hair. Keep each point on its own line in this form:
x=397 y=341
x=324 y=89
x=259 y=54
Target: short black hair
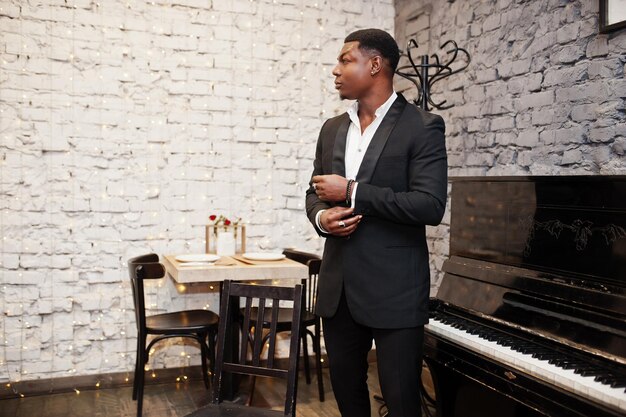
x=379 y=41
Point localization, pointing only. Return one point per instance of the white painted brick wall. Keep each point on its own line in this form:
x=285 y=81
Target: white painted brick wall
x=544 y=94
x=123 y=126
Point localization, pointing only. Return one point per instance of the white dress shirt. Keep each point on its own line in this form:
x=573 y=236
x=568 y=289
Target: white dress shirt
x=357 y=144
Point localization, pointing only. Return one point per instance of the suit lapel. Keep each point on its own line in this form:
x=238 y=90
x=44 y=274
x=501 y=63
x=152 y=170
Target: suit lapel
x=376 y=146
x=339 y=148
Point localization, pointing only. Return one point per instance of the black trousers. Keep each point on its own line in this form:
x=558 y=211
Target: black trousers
x=399 y=358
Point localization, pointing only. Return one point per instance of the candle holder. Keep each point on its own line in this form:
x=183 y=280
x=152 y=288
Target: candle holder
x=225 y=240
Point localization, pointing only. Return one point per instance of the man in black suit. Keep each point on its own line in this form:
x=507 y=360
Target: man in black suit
x=379 y=177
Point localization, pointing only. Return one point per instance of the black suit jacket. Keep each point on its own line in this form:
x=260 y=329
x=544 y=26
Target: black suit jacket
x=383 y=266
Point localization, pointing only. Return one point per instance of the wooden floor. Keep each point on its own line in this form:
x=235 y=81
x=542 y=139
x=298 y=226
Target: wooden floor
x=175 y=400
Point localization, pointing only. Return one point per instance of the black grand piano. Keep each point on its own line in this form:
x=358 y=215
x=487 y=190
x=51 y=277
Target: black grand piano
x=530 y=317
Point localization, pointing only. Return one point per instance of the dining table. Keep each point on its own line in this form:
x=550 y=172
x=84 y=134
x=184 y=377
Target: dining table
x=236 y=267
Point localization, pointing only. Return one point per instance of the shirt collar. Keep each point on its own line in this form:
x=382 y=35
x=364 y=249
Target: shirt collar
x=353 y=110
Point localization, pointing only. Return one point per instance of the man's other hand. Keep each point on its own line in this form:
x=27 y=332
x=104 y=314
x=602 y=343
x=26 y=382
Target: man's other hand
x=331 y=188
x=338 y=221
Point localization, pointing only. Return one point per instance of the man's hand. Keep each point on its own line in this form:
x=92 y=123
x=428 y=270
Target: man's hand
x=338 y=221
x=331 y=188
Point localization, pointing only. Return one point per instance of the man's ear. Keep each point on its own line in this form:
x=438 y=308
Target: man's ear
x=377 y=64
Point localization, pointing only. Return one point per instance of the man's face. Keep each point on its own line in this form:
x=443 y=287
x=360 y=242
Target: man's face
x=352 y=72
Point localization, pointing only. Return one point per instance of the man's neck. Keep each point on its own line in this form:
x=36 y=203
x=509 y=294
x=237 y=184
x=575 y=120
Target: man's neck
x=370 y=103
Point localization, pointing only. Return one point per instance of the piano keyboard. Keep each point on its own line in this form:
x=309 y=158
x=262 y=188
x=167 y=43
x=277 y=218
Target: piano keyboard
x=570 y=374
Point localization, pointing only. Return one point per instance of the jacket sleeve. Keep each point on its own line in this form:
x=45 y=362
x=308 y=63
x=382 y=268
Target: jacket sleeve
x=425 y=200
x=313 y=203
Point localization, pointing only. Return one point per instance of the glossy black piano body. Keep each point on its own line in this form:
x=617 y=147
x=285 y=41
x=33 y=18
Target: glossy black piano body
x=537 y=268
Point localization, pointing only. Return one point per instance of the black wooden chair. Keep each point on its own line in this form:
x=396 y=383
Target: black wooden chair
x=309 y=319
x=256 y=367
x=196 y=324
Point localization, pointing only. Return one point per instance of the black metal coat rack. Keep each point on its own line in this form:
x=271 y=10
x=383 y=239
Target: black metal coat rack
x=424 y=79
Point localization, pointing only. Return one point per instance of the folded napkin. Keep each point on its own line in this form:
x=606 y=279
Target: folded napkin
x=225 y=261
x=256 y=262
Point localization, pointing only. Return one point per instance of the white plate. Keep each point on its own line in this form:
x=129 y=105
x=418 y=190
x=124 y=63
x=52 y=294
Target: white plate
x=263 y=256
x=192 y=264
x=200 y=257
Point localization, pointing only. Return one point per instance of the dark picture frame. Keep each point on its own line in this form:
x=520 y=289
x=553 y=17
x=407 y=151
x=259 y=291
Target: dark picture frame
x=609 y=22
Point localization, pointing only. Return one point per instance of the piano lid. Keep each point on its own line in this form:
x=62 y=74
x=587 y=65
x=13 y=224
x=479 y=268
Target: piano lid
x=545 y=254
x=573 y=226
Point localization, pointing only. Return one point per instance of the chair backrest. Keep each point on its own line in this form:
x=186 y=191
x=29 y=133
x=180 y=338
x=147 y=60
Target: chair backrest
x=232 y=293
x=140 y=268
x=311 y=288
x=313 y=262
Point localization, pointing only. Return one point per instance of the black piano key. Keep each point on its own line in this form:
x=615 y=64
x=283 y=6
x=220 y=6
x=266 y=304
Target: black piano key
x=508 y=338
x=524 y=348
x=591 y=372
x=612 y=380
x=558 y=361
x=619 y=382
x=606 y=380
x=573 y=364
x=567 y=364
x=543 y=355
x=506 y=342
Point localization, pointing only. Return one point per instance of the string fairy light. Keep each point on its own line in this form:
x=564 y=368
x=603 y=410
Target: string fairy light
x=251 y=111
x=300 y=75
x=232 y=112
x=74 y=353
x=17 y=313
x=101 y=134
x=51 y=216
x=3 y=232
x=269 y=244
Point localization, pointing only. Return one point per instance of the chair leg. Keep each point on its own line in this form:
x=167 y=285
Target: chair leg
x=318 y=360
x=305 y=356
x=141 y=382
x=212 y=337
x=251 y=378
x=138 y=361
x=204 y=352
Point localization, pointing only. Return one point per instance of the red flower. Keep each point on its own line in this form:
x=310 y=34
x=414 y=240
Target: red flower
x=226 y=222
x=212 y=217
